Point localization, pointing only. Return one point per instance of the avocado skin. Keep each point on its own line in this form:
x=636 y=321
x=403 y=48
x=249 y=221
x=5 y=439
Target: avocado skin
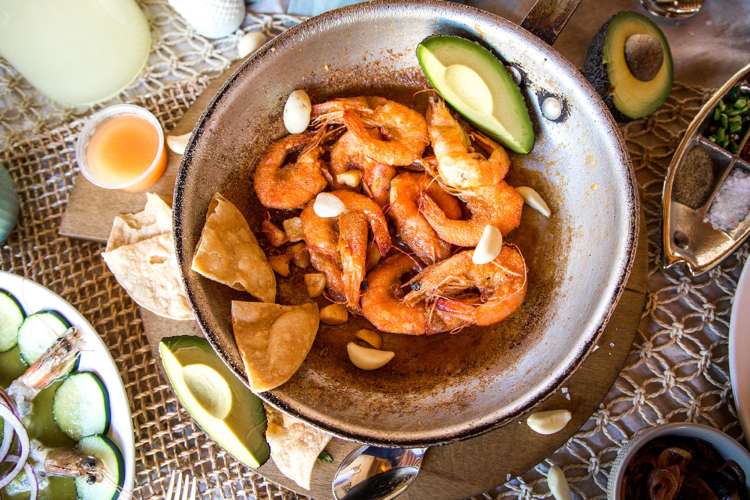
x=596 y=71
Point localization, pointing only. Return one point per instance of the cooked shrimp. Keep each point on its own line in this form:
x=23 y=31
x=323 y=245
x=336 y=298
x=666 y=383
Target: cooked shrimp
x=50 y=366
x=382 y=304
x=342 y=257
x=458 y=165
x=499 y=205
x=412 y=227
x=501 y=286
x=375 y=218
x=347 y=154
x=331 y=112
x=392 y=133
x=353 y=252
x=292 y=185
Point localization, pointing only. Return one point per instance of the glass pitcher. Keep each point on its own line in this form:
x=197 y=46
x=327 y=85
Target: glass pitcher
x=76 y=52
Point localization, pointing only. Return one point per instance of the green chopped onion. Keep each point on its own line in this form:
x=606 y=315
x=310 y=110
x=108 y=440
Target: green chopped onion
x=325 y=457
x=740 y=103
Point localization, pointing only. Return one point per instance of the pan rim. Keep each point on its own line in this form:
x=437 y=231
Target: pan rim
x=422 y=438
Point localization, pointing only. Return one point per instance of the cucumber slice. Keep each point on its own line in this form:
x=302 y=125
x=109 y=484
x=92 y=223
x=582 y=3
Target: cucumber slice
x=11 y=318
x=109 y=454
x=81 y=406
x=38 y=332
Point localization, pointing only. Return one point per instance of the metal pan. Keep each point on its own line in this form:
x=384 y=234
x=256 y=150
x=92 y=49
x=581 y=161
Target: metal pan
x=444 y=387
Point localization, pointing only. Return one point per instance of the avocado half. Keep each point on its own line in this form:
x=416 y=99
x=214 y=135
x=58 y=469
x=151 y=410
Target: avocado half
x=218 y=402
x=477 y=85
x=635 y=84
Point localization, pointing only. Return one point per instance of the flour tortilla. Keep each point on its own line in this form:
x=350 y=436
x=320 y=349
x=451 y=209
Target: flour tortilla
x=229 y=253
x=273 y=340
x=155 y=219
x=147 y=270
x=295 y=446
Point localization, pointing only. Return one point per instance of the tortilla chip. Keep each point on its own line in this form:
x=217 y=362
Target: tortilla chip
x=147 y=270
x=273 y=340
x=229 y=253
x=155 y=219
x=295 y=446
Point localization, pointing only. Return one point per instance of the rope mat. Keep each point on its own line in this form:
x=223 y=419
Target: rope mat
x=677 y=371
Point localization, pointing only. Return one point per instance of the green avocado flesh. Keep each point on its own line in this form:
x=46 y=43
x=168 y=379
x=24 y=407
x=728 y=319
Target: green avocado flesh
x=218 y=402
x=607 y=68
x=478 y=86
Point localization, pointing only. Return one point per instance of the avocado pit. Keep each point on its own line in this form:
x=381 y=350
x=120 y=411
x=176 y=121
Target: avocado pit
x=644 y=56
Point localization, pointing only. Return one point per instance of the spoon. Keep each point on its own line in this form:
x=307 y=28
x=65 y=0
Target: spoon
x=370 y=472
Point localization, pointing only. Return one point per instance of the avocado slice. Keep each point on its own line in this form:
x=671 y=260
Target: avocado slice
x=218 y=402
x=629 y=63
x=472 y=80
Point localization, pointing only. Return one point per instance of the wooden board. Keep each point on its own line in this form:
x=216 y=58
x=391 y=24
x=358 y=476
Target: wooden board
x=456 y=470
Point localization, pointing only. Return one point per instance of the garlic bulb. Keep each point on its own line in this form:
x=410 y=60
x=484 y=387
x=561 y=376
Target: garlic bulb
x=328 y=205
x=548 y=422
x=297 y=112
x=534 y=200
x=489 y=246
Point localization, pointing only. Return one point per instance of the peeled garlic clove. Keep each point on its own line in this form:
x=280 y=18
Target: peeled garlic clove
x=178 y=143
x=548 y=422
x=371 y=337
x=534 y=200
x=250 y=42
x=328 y=205
x=365 y=358
x=558 y=483
x=489 y=246
x=297 y=112
x=350 y=178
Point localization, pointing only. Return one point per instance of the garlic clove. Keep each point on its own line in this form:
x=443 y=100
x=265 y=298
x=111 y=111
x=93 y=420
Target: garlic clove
x=534 y=200
x=365 y=358
x=293 y=229
x=371 y=337
x=558 y=483
x=250 y=42
x=178 y=143
x=328 y=205
x=548 y=422
x=297 y=112
x=489 y=246
x=350 y=178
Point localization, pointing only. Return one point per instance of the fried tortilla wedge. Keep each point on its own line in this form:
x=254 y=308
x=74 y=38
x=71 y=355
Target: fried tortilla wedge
x=273 y=340
x=228 y=252
x=295 y=446
x=155 y=219
x=147 y=270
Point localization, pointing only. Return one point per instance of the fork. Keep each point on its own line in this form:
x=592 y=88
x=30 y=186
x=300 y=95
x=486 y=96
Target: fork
x=181 y=487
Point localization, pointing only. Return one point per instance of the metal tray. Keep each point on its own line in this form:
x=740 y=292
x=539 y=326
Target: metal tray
x=688 y=238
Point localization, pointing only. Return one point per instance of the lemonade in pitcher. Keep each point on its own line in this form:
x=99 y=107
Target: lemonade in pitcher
x=76 y=52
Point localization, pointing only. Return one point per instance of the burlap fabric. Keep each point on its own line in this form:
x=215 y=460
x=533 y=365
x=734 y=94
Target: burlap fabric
x=677 y=370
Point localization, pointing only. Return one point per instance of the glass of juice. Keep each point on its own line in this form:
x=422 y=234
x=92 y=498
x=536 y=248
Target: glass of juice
x=122 y=147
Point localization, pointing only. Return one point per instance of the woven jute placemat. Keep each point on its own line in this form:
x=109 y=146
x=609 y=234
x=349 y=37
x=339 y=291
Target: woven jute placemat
x=677 y=370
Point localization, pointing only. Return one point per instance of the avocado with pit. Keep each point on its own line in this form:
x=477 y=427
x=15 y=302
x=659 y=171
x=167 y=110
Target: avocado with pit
x=477 y=85
x=629 y=63
x=218 y=402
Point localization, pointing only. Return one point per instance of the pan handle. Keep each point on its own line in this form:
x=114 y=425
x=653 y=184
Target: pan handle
x=547 y=18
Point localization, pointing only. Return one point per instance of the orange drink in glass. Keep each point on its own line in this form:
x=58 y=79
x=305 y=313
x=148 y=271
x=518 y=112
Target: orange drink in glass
x=122 y=147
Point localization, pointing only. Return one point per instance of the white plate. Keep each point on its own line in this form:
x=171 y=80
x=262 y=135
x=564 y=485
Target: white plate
x=94 y=357
x=739 y=348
